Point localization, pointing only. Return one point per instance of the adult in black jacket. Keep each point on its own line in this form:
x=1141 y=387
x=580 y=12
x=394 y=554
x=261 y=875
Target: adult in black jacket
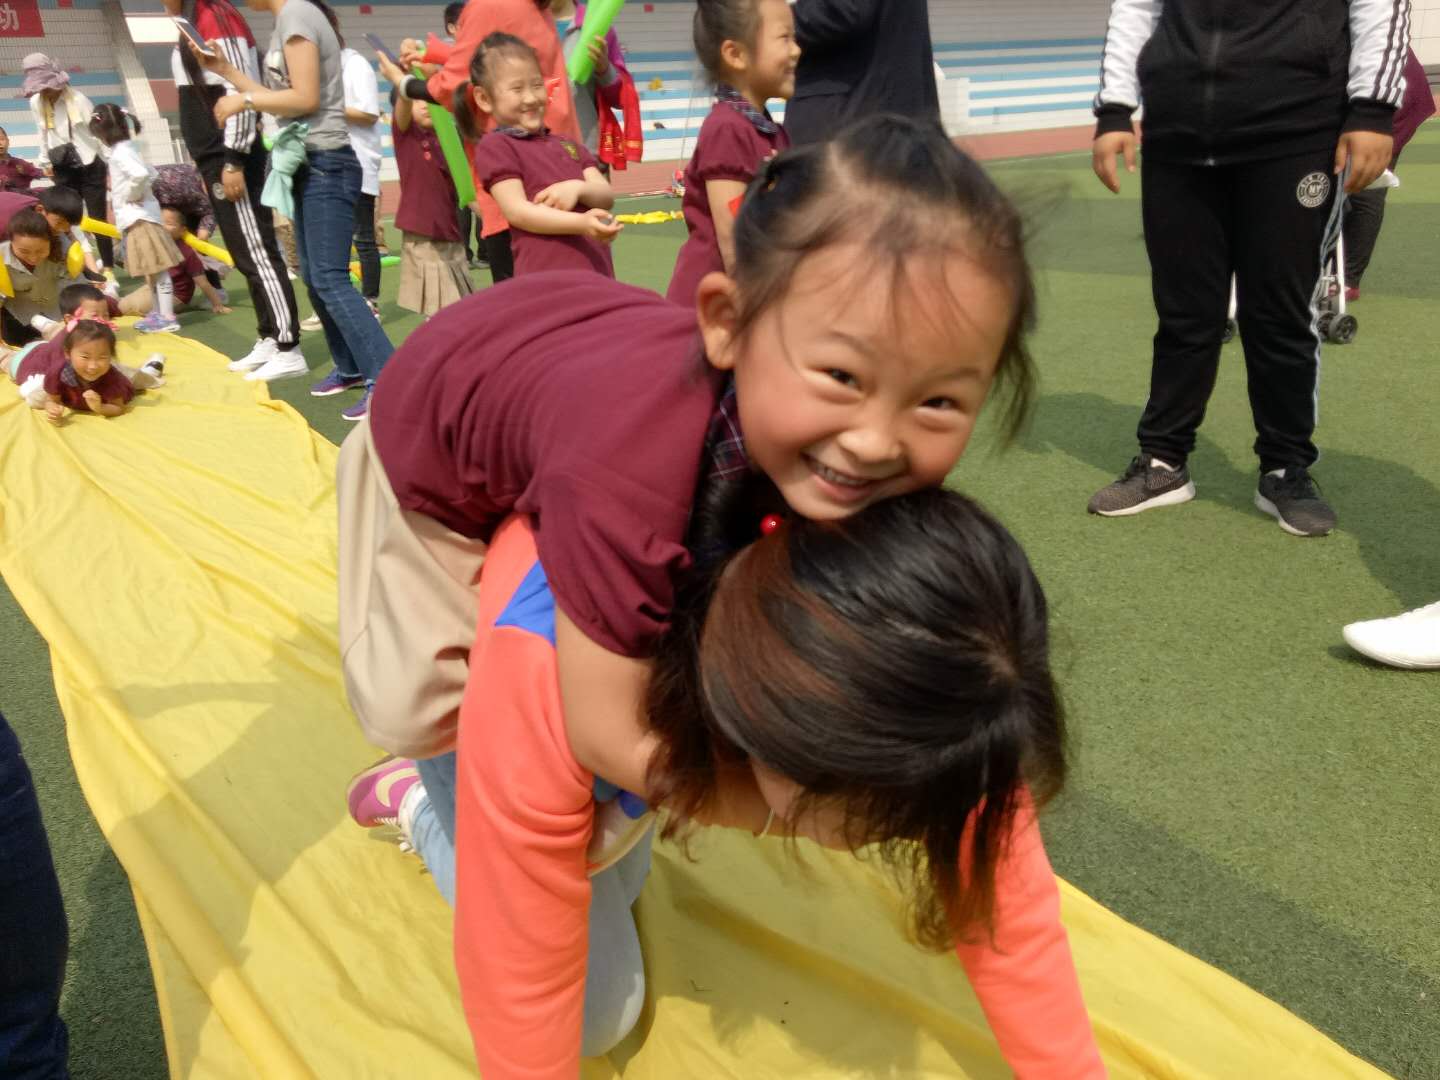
x=232 y=160
x=857 y=58
x=1255 y=112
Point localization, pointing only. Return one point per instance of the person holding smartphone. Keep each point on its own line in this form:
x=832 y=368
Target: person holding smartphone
x=231 y=159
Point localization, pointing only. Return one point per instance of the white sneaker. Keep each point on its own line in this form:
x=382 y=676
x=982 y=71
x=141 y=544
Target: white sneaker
x=310 y=323
x=283 y=365
x=263 y=352
x=1411 y=640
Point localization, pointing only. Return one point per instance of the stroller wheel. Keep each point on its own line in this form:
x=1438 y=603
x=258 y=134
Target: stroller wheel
x=1342 y=329
x=1325 y=323
x=1231 y=329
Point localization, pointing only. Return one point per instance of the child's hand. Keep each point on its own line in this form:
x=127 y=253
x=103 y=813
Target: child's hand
x=600 y=225
x=54 y=412
x=562 y=196
x=93 y=400
x=412 y=51
x=221 y=309
x=392 y=71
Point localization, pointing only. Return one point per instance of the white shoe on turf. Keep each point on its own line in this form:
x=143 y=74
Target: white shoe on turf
x=1411 y=640
x=311 y=323
x=263 y=352
x=283 y=365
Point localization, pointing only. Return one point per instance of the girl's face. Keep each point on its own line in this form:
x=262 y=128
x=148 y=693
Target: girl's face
x=4 y=144
x=516 y=94
x=31 y=250
x=772 y=60
x=420 y=113
x=90 y=359
x=851 y=394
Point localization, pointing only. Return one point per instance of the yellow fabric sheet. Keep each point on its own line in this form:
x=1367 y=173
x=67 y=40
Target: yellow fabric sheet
x=180 y=562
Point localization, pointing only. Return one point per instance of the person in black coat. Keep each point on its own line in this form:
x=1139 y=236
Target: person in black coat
x=856 y=61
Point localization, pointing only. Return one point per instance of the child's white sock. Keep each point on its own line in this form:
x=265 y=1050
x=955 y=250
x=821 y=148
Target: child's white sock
x=1276 y=472
x=1161 y=465
x=164 y=290
x=409 y=806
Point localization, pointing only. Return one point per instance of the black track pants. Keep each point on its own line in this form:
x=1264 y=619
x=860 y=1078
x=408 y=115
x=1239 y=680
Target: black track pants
x=249 y=233
x=1270 y=224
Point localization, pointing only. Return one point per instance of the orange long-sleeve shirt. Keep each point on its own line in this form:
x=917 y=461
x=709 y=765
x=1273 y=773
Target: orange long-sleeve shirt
x=524 y=815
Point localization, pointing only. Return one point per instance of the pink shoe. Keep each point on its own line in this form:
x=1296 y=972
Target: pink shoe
x=1351 y=294
x=375 y=793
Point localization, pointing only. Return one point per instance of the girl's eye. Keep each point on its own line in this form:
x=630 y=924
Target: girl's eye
x=844 y=378
x=943 y=403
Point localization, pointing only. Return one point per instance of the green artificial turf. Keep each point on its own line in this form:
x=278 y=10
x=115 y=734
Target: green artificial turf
x=1243 y=785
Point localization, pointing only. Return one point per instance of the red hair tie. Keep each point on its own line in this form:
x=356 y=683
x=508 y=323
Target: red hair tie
x=769 y=523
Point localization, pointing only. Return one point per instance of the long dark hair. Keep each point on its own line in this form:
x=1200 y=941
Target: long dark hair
x=111 y=124
x=228 y=17
x=895 y=665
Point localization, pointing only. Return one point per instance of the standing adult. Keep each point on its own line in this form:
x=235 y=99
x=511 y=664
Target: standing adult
x=231 y=160
x=1254 y=114
x=70 y=149
x=362 y=117
x=530 y=21
x=856 y=61
x=305 y=90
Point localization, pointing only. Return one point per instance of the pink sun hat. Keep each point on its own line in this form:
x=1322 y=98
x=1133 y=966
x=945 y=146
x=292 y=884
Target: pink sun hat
x=42 y=73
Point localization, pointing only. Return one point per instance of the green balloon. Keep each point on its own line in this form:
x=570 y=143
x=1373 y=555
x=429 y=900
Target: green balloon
x=598 y=18
x=452 y=148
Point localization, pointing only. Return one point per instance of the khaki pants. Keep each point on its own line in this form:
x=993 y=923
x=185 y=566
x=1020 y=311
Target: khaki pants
x=408 y=609
x=285 y=233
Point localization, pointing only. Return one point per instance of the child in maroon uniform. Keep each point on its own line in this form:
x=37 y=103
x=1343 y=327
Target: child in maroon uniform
x=186 y=277
x=550 y=189
x=85 y=381
x=433 y=269
x=748 y=48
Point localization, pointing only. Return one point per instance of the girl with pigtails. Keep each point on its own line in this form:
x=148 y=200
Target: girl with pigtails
x=717 y=577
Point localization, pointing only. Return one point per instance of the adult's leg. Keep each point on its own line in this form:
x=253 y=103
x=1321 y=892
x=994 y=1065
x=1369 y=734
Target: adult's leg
x=324 y=225
x=250 y=238
x=34 y=937
x=1364 y=214
x=500 y=256
x=365 y=247
x=1287 y=217
x=94 y=189
x=1187 y=216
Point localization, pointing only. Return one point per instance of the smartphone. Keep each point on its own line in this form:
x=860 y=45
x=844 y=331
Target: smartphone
x=187 y=29
x=383 y=49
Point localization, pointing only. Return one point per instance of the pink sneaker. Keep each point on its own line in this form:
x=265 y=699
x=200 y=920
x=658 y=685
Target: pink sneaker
x=375 y=793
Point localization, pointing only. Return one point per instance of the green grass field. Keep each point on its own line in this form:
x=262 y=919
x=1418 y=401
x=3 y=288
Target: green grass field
x=1244 y=786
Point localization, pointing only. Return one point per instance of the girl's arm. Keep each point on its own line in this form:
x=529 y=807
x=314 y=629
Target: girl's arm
x=404 y=113
x=547 y=220
x=128 y=174
x=54 y=408
x=1025 y=977
x=302 y=58
x=597 y=192
x=593 y=191
x=721 y=193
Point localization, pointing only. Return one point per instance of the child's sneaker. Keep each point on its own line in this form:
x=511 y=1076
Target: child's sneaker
x=151 y=375
x=155 y=323
x=375 y=794
x=1294 y=500
x=1144 y=485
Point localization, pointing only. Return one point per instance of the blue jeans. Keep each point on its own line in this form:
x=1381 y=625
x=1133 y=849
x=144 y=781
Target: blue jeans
x=614 y=969
x=327 y=188
x=34 y=937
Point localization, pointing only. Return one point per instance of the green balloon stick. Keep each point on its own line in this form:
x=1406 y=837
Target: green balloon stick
x=598 y=17
x=453 y=150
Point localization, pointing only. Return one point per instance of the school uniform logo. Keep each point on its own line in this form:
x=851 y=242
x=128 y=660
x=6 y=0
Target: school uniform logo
x=570 y=149
x=1313 y=190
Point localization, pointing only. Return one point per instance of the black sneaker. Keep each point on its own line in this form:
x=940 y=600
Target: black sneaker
x=1294 y=500
x=1143 y=486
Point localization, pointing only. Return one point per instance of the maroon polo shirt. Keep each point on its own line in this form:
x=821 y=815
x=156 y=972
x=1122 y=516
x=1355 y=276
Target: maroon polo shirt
x=63 y=381
x=427 y=192
x=729 y=147
x=572 y=398
x=183 y=274
x=538 y=161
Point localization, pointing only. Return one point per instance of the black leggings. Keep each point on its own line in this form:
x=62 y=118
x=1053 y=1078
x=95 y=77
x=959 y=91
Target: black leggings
x=500 y=257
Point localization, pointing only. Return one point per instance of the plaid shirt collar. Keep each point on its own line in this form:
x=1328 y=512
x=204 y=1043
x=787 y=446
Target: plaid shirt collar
x=725 y=442
x=521 y=133
x=759 y=118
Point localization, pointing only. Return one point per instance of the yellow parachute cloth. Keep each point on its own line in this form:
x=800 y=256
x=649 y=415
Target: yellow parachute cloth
x=180 y=561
